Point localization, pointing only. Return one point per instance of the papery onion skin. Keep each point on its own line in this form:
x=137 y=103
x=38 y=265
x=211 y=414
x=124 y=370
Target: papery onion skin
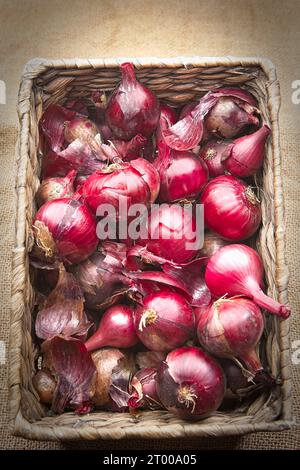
x=183 y=177
x=166 y=112
x=65 y=229
x=231 y=208
x=164 y=320
x=247 y=154
x=81 y=128
x=45 y=385
x=190 y=383
x=213 y=153
x=132 y=108
x=232 y=328
x=149 y=174
x=173 y=228
x=52 y=124
x=144 y=394
x=238 y=270
x=57 y=187
x=101 y=280
x=116 y=329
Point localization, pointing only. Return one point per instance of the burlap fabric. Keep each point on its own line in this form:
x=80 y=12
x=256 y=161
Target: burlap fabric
x=104 y=28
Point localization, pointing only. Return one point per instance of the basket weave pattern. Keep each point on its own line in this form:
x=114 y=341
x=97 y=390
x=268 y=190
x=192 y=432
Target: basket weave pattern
x=176 y=81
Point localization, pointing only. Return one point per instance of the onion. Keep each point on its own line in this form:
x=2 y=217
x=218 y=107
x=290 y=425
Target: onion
x=247 y=153
x=190 y=383
x=54 y=188
x=52 y=124
x=166 y=114
x=83 y=129
x=172 y=233
x=199 y=312
x=182 y=175
x=213 y=154
x=115 y=329
x=114 y=371
x=101 y=278
x=62 y=312
x=234 y=112
x=238 y=270
x=71 y=364
x=132 y=108
x=144 y=393
x=45 y=385
x=231 y=208
x=65 y=229
x=117 y=182
x=232 y=328
x=212 y=243
x=149 y=174
x=150 y=359
x=164 y=320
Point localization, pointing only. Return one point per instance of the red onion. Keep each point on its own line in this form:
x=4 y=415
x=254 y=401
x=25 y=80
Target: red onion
x=182 y=175
x=62 y=312
x=247 y=153
x=54 y=188
x=114 y=371
x=149 y=174
x=144 y=393
x=149 y=359
x=166 y=113
x=172 y=229
x=199 y=312
x=231 y=208
x=232 y=328
x=80 y=106
x=117 y=182
x=52 y=124
x=132 y=108
x=72 y=365
x=213 y=154
x=190 y=383
x=115 y=329
x=233 y=113
x=238 y=270
x=65 y=229
x=101 y=279
x=81 y=128
x=164 y=320
x=45 y=385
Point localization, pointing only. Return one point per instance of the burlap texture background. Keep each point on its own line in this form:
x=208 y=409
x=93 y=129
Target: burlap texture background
x=103 y=28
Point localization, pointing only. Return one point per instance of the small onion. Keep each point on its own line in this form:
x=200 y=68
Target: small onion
x=54 y=188
x=45 y=385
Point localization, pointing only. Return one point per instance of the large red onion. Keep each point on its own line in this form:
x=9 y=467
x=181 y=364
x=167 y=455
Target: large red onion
x=238 y=270
x=132 y=108
x=144 y=394
x=65 y=229
x=232 y=328
x=182 y=175
x=54 y=188
x=234 y=112
x=172 y=233
x=118 y=182
x=247 y=153
x=115 y=329
x=231 y=208
x=190 y=383
x=164 y=320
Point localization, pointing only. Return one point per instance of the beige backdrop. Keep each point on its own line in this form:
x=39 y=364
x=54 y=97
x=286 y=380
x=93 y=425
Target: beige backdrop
x=103 y=28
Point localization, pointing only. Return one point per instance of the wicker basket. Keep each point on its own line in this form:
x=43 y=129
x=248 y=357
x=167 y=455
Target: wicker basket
x=177 y=81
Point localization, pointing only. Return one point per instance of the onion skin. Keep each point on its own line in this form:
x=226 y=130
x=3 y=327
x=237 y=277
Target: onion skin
x=132 y=108
x=231 y=208
x=116 y=329
x=65 y=229
x=164 y=321
x=190 y=383
x=144 y=394
x=247 y=154
x=168 y=113
x=52 y=124
x=183 y=177
x=150 y=175
x=55 y=188
x=45 y=385
x=238 y=270
x=81 y=128
x=232 y=328
x=171 y=235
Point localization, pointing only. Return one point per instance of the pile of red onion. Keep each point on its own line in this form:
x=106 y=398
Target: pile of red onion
x=160 y=321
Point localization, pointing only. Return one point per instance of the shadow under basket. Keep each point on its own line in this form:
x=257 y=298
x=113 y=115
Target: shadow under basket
x=176 y=81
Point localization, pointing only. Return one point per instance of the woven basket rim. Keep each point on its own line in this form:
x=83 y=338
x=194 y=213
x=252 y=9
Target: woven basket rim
x=34 y=68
